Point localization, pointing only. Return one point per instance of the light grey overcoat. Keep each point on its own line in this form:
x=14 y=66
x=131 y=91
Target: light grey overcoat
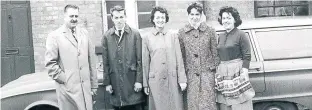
x=72 y=65
x=163 y=69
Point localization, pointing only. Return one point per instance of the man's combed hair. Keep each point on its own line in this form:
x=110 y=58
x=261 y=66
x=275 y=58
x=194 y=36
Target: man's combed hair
x=117 y=8
x=70 y=6
x=233 y=12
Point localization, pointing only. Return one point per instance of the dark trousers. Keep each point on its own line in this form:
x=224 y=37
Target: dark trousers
x=130 y=107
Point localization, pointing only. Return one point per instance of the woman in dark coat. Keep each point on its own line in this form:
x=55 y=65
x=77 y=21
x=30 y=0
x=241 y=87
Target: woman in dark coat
x=198 y=44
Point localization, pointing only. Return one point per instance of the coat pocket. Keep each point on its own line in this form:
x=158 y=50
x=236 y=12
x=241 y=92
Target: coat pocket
x=131 y=65
x=133 y=68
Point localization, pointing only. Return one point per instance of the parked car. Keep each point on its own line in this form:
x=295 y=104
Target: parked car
x=280 y=70
x=36 y=91
x=281 y=61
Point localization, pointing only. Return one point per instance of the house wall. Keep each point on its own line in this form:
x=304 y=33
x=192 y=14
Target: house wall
x=244 y=7
x=48 y=15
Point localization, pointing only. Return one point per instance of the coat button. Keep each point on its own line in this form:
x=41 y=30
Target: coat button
x=80 y=68
x=163 y=63
x=195 y=55
x=78 y=53
x=119 y=61
x=197 y=74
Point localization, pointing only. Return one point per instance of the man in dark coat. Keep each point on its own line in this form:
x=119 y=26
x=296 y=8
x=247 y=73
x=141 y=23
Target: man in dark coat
x=122 y=52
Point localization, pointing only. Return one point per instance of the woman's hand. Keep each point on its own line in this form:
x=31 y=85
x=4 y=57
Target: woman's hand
x=245 y=73
x=146 y=90
x=183 y=86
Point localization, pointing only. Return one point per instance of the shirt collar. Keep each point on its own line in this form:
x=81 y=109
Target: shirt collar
x=232 y=31
x=126 y=28
x=156 y=32
x=68 y=30
x=202 y=27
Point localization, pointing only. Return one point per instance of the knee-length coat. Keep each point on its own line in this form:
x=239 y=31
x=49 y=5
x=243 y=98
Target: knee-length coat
x=72 y=65
x=200 y=59
x=163 y=69
x=122 y=64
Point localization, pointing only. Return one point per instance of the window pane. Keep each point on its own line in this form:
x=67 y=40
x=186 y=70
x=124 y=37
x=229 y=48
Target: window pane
x=283 y=11
x=110 y=23
x=281 y=44
x=145 y=6
x=300 y=2
x=264 y=3
x=143 y=20
x=265 y=12
x=301 y=10
x=282 y=8
x=112 y=3
x=282 y=3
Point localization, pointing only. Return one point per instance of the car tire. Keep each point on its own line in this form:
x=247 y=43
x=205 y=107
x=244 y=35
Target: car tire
x=275 y=106
x=44 y=107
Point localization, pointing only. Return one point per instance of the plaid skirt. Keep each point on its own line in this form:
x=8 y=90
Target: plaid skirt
x=232 y=87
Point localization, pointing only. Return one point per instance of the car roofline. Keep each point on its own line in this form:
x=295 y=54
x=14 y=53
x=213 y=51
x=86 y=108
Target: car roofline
x=272 y=22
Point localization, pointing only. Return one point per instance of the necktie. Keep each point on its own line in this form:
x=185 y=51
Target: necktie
x=119 y=32
x=73 y=32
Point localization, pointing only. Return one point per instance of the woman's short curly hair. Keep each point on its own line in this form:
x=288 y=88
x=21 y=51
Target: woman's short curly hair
x=233 y=12
x=161 y=10
x=195 y=5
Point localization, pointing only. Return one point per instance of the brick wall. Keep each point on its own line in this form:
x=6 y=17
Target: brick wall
x=245 y=8
x=48 y=15
x=177 y=12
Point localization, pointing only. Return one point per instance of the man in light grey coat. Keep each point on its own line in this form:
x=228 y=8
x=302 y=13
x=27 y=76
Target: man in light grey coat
x=70 y=62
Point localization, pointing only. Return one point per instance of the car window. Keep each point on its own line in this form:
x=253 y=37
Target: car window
x=253 y=57
x=285 y=44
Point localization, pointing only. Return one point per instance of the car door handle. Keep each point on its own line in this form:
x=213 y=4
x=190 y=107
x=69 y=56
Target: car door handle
x=11 y=51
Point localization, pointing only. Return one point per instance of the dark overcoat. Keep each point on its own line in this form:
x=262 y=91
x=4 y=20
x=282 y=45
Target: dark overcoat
x=122 y=62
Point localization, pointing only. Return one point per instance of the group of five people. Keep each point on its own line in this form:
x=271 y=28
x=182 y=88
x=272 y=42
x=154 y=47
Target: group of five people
x=192 y=69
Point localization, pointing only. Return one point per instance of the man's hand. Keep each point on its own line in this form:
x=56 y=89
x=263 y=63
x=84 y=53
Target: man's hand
x=146 y=90
x=93 y=92
x=137 y=87
x=183 y=86
x=109 y=89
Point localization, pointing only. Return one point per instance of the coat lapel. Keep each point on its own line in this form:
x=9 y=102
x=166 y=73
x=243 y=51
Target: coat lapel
x=67 y=33
x=79 y=36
